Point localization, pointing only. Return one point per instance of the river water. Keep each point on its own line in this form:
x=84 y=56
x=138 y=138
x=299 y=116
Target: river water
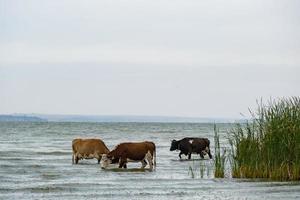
x=36 y=163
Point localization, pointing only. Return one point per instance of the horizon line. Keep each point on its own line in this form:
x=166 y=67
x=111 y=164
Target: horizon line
x=127 y=115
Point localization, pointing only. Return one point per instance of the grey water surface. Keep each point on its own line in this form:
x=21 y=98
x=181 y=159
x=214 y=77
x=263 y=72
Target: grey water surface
x=35 y=163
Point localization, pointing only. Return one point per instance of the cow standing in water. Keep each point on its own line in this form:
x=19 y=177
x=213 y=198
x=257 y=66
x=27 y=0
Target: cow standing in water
x=131 y=152
x=88 y=149
x=187 y=146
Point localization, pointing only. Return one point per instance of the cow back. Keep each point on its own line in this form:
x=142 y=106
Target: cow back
x=133 y=151
x=193 y=145
x=89 y=146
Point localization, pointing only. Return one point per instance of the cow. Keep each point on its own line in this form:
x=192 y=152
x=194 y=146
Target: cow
x=190 y=145
x=131 y=152
x=88 y=149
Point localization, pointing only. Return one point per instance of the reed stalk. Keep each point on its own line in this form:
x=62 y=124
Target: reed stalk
x=220 y=158
x=191 y=170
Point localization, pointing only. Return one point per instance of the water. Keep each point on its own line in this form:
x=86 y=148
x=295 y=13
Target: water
x=35 y=163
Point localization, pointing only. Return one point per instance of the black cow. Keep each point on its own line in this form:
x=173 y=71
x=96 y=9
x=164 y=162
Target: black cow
x=187 y=146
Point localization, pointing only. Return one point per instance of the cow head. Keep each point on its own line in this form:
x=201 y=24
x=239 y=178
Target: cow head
x=105 y=161
x=174 y=145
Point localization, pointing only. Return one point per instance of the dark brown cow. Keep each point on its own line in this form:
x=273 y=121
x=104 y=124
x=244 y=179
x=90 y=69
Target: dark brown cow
x=126 y=152
x=190 y=145
x=88 y=149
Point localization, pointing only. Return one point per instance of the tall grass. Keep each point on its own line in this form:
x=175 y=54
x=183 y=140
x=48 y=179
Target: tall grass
x=220 y=158
x=269 y=145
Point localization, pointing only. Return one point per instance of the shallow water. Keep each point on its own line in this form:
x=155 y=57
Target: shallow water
x=35 y=163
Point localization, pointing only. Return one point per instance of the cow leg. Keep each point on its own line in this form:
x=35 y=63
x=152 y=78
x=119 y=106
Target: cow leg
x=150 y=162
x=76 y=160
x=73 y=158
x=149 y=158
x=180 y=154
x=190 y=155
x=144 y=164
x=201 y=155
x=209 y=154
x=99 y=159
x=122 y=163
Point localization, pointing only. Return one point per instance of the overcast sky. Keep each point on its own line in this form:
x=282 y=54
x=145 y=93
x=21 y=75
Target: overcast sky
x=201 y=58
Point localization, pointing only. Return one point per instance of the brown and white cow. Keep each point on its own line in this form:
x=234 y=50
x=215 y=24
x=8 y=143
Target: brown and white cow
x=131 y=152
x=88 y=149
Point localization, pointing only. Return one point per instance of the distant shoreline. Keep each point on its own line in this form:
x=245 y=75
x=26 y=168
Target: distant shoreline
x=112 y=118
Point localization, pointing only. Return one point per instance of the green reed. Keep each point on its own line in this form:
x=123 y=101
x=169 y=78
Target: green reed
x=220 y=158
x=202 y=169
x=191 y=170
x=269 y=145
